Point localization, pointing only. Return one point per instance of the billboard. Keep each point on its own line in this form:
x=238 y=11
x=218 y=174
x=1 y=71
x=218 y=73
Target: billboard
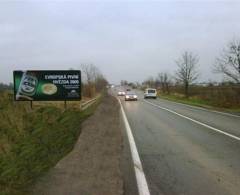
x=47 y=85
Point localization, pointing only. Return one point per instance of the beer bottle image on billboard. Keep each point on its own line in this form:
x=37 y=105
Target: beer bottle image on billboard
x=27 y=87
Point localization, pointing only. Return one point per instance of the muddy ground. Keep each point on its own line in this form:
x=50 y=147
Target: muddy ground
x=93 y=166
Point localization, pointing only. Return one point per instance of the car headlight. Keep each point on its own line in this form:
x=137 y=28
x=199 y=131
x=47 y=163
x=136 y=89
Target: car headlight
x=127 y=96
x=135 y=96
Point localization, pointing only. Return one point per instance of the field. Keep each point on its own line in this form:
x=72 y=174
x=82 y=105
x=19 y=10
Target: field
x=34 y=140
x=224 y=98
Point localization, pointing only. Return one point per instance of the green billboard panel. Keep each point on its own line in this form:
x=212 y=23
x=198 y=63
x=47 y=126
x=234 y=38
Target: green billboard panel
x=47 y=85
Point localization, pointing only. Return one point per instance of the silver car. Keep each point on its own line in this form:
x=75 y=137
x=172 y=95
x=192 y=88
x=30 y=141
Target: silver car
x=121 y=93
x=131 y=96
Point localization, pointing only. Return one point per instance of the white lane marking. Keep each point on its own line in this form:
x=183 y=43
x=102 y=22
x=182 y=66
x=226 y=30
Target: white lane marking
x=139 y=173
x=195 y=121
x=199 y=108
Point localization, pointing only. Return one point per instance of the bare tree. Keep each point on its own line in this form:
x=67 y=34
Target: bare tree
x=187 y=70
x=100 y=82
x=149 y=82
x=164 y=80
x=124 y=82
x=93 y=79
x=89 y=72
x=228 y=63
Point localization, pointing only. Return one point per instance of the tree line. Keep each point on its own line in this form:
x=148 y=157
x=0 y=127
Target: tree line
x=93 y=81
x=4 y=86
x=227 y=63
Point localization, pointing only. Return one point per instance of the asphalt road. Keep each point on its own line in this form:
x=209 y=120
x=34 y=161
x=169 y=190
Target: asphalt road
x=180 y=156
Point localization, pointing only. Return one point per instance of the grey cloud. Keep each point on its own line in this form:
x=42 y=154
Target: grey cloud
x=126 y=40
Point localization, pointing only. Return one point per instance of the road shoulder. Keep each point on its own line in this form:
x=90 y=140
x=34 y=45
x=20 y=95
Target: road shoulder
x=93 y=166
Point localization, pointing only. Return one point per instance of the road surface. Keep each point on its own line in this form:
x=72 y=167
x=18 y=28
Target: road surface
x=185 y=150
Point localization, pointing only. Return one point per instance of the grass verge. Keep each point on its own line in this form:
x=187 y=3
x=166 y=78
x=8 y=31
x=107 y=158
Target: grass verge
x=31 y=142
x=194 y=101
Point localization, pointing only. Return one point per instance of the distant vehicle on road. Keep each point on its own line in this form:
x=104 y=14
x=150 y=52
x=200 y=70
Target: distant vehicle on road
x=128 y=89
x=131 y=96
x=150 y=93
x=121 y=93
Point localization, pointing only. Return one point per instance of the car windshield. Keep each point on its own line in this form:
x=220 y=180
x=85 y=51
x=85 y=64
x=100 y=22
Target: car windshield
x=151 y=91
x=130 y=93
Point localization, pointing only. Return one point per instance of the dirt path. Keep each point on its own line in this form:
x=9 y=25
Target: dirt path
x=93 y=167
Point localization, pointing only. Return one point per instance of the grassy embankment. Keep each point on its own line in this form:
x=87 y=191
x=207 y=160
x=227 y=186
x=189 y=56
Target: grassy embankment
x=33 y=141
x=196 y=101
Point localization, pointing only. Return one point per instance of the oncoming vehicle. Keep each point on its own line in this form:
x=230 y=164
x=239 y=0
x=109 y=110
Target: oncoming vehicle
x=121 y=93
x=131 y=96
x=150 y=93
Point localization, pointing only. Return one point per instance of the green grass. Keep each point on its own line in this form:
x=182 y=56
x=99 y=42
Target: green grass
x=194 y=101
x=31 y=142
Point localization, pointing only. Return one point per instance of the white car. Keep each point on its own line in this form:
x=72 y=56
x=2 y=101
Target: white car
x=150 y=93
x=121 y=93
x=131 y=96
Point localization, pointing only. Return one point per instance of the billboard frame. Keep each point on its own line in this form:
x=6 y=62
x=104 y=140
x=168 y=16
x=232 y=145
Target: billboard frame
x=44 y=100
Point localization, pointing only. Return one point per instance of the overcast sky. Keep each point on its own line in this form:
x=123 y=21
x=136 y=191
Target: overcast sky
x=129 y=40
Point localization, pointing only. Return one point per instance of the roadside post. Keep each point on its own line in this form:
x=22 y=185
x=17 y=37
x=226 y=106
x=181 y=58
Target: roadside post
x=65 y=105
x=80 y=105
x=31 y=104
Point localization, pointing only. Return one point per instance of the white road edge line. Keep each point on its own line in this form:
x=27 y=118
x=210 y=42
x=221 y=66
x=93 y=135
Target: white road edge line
x=195 y=121
x=204 y=109
x=139 y=173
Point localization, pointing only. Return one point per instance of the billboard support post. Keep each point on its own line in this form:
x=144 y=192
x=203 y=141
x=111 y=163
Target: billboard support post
x=65 y=104
x=31 y=104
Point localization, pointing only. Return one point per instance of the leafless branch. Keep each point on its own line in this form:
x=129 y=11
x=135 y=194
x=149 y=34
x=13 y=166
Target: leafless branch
x=228 y=62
